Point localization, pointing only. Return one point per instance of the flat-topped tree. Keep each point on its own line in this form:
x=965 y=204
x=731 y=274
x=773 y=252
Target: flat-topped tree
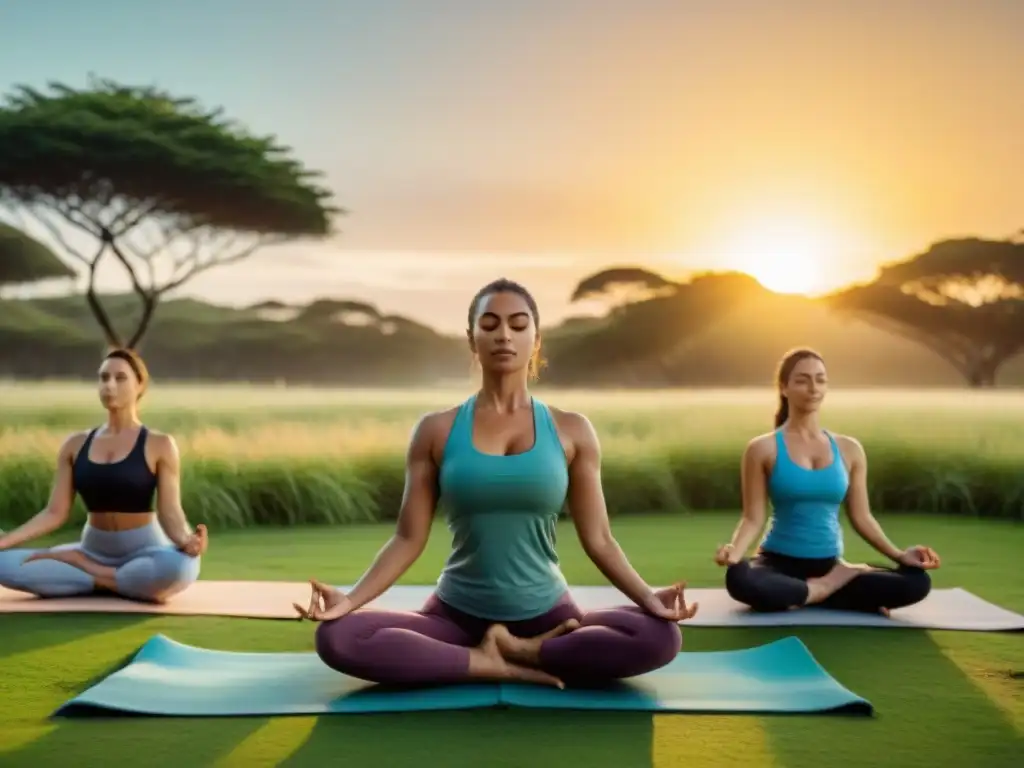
x=963 y=299
x=653 y=331
x=164 y=186
x=617 y=286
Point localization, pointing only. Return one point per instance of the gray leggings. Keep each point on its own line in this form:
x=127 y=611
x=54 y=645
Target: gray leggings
x=147 y=565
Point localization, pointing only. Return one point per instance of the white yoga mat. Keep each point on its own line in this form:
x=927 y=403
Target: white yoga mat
x=953 y=609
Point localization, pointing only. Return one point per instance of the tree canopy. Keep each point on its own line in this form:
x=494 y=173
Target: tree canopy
x=963 y=299
x=167 y=187
x=652 y=332
x=344 y=311
x=620 y=285
x=23 y=259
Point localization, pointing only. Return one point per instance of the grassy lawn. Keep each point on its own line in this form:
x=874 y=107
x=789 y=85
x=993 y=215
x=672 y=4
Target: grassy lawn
x=942 y=698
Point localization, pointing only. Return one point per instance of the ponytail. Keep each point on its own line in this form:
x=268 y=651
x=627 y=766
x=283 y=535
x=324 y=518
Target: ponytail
x=783 y=413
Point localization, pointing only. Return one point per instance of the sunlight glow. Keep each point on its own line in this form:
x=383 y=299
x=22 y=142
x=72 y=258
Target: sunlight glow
x=783 y=271
x=786 y=256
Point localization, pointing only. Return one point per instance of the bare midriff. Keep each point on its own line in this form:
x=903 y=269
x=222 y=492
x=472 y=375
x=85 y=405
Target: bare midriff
x=120 y=521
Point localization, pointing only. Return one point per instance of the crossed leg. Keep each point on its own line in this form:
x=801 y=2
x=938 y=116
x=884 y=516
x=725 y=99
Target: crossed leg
x=765 y=588
x=415 y=647
x=880 y=590
x=438 y=644
x=51 y=577
x=151 y=575
x=604 y=645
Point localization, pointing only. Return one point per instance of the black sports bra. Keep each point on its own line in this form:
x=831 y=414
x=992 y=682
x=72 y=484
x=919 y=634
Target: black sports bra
x=128 y=485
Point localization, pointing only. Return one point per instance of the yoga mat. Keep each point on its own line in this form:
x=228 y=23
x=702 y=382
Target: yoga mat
x=952 y=609
x=171 y=679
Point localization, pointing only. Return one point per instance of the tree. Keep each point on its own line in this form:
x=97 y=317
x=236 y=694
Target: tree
x=344 y=311
x=622 y=285
x=963 y=299
x=23 y=259
x=169 y=188
x=653 y=332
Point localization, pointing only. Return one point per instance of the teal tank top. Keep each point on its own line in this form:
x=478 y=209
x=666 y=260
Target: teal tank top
x=805 y=505
x=502 y=512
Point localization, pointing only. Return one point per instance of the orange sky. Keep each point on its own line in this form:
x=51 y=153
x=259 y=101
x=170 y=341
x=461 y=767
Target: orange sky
x=546 y=140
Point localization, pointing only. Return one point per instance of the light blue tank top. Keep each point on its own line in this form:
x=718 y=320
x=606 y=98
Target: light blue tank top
x=502 y=512
x=805 y=505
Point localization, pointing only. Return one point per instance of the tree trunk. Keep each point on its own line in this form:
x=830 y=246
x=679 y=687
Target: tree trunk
x=982 y=373
x=147 y=297
x=149 y=301
x=100 y=314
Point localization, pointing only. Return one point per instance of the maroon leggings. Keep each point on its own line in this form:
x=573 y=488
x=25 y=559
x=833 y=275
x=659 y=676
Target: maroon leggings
x=432 y=645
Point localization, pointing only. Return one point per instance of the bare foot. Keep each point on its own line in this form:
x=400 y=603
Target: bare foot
x=103 y=575
x=823 y=587
x=862 y=567
x=486 y=662
x=526 y=650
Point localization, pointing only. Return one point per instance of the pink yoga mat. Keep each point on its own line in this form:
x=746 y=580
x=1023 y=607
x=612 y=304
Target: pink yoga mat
x=949 y=608
x=248 y=599
x=261 y=600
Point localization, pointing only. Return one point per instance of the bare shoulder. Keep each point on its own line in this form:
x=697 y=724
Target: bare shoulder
x=436 y=423
x=850 y=447
x=573 y=425
x=163 y=441
x=71 y=445
x=162 y=446
x=847 y=441
x=761 y=447
x=577 y=433
x=431 y=432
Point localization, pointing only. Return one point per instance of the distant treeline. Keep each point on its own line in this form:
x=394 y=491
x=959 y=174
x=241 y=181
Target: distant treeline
x=732 y=334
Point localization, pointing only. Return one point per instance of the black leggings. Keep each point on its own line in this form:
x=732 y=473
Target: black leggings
x=773 y=582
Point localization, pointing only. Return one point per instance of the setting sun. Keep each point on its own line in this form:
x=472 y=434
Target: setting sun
x=787 y=271
x=785 y=256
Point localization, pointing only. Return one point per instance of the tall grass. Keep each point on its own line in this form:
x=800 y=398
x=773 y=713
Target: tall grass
x=265 y=455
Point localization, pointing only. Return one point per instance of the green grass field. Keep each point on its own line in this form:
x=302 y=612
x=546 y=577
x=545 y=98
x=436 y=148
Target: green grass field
x=942 y=698
x=264 y=455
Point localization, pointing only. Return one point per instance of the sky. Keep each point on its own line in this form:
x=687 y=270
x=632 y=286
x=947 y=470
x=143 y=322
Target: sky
x=543 y=140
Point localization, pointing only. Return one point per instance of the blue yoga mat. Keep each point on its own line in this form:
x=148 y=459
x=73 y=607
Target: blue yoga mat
x=171 y=679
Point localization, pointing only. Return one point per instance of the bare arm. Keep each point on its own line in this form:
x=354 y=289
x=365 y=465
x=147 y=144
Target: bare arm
x=754 y=489
x=419 y=502
x=857 y=507
x=590 y=514
x=168 y=473
x=58 y=507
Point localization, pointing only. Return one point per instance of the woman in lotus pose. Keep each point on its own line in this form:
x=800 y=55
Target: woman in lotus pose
x=125 y=547
x=502 y=464
x=807 y=473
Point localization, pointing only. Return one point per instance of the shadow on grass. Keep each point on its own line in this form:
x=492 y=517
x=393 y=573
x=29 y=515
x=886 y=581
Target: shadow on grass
x=501 y=738
x=927 y=710
x=475 y=738
x=136 y=741
x=57 y=657
x=29 y=632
